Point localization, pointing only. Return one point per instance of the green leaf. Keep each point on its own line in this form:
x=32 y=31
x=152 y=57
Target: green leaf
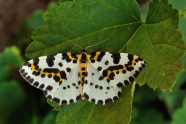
x=150 y=116
x=11 y=97
x=9 y=57
x=179 y=114
x=86 y=23
x=49 y=118
x=177 y=94
x=162 y=46
x=35 y=21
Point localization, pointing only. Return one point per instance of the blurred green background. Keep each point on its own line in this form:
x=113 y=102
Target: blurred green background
x=22 y=103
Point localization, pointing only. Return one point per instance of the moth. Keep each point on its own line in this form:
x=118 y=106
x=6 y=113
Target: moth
x=98 y=77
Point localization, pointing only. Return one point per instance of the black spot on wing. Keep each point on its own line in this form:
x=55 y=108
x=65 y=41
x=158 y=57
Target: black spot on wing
x=100 y=56
x=126 y=82
x=105 y=73
x=49 y=88
x=50 y=60
x=42 y=75
x=92 y=55
x=119 y=84
x=49 y=76
x=99 y=68
x=106 y=62
x=64 y=102
x=56 y=100
x=45 y=92
x=49 y=97
x=116 y=57
x=117 y=67
x=63 y=74
x=37 y=73
x=68 y=69
x=25 y=74
x=100 y=102
x=101 y=78
x=71 y=101
x=28 y=77
x=36 y=84
x=36 y=61
x=131 y=79
x=86 y=96
x=92 y=61
x=31 y=80
x=130 y=57
x=136 y=74
x=60 y=64
x=78 y=97
x=93 y=100
x=111 y=76
x=108 y=100
x=115 y=98
x=119 y=94
x=56 y=78
x=66 y=57
x=22 y=71
x=41 y=86
x=51 y=70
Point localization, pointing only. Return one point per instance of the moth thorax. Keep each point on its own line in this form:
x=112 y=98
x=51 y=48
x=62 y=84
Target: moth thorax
x=83 y=58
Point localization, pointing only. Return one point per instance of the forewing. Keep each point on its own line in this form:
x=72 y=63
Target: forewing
x=118 y=69
x=52 y=73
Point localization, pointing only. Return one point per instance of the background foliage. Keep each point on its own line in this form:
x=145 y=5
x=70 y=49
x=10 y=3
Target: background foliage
x=159 y=106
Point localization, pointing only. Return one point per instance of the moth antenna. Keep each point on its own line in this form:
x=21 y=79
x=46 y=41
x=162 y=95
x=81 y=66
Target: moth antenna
x=96 y=43
x=72 y=42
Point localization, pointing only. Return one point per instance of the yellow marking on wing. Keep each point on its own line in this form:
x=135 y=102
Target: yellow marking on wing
x=96 y=56
x=121 y=70
x=46 y=73
x=70 y=56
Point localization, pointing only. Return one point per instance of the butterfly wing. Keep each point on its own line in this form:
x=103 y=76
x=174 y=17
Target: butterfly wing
x=113 y=70
x=53 y=74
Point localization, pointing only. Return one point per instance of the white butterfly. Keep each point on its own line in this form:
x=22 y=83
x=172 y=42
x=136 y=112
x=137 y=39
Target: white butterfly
x=67 y=77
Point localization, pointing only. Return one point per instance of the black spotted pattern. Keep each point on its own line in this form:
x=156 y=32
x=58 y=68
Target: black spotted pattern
x=108 y=100
x=100 y=102
x=119 y=84
x=49 y=97
x=36 y=61
x=93 y=100
x=63 y=74
x=36 y=84
x=116 y=57
x=86 y=96
x=56 y=100
x=50 y=60
x=100 y=56
x=41 y=86
x=60 y=64
x=49 y=88
x=68 y=69
x=51 y=70
x=78 y=97
x=64 y=102
x=71 y=101
x=56 y=78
